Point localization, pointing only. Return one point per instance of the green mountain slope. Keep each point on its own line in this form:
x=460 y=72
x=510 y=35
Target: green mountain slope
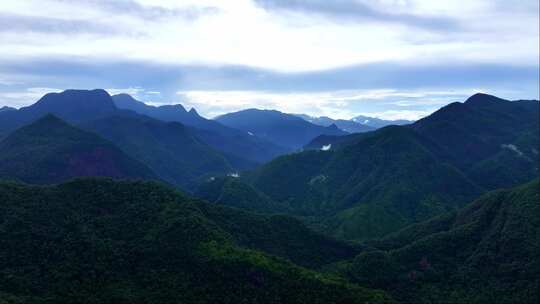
x=99 y=241
x=50 y=151
x=488 y=252
x=367 y=185
x=168 y=148
x=387 y=180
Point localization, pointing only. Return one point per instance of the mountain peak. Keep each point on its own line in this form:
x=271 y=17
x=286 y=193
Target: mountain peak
x=482 y=99
x=193 y=112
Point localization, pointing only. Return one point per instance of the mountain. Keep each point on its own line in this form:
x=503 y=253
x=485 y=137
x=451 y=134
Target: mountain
x=233 y=192
x=349 y=126
x=236 y=143
x=486 y=252
x=493 y=140
x=379 y=123
x=73 y=106
x=50 y=151
x=280 y=128
x=389 y=179
x=175 y=152
x=171 y=149
x=100 y=241
x=366 y=185
x=6 y=108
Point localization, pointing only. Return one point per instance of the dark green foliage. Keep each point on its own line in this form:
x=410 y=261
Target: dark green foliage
x=487 y=252
x=279 y=235
x=386 y=180
x=100 y=241
x=50 y=151
x=231 y=191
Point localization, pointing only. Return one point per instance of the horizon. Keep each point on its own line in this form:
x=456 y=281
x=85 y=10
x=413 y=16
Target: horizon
x=387 y=59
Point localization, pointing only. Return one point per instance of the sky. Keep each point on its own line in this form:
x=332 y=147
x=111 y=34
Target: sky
x=385 y=58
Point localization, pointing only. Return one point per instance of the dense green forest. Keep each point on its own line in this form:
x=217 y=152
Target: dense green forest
x=487 y=252
x=101 y=241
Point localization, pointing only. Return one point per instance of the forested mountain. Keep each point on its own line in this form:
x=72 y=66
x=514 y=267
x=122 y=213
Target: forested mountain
x=487 y=252
x=49 y=151
x=168 y=148
x=367 y=185
x=282 y=129
x=176 y=153
x=100 y=241
x=237 y=143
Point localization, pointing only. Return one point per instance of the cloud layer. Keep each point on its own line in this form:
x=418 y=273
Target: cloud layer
x=300 y=56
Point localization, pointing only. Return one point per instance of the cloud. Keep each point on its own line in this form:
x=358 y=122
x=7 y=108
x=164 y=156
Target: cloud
x=144 y=11
x=17 y=99
x=23 y=24
x=360 y=11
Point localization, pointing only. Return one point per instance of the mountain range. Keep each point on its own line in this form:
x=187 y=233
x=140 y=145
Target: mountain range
x=367 y=185
x=357 y=124
x=349 y=126
x=106 y=199
x=280 y=128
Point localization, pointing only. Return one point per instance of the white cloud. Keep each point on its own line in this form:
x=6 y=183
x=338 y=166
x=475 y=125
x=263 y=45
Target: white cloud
x=29 y=96
x=343 y=104
x=243 y=33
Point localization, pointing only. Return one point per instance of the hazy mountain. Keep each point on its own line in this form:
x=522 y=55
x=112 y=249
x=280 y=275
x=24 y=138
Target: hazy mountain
x=99 y=241
x=379 y=123
x=280 y=128
x=73 y=106
x=50 y=151
x=486 y=252
x=369 y=184
x=6 y=108
x=231 y=141
x=349 y=126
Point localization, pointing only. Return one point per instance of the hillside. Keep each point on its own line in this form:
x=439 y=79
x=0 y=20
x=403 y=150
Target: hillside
x=50 y=151
x=488 y=252
x=99 y=241
x=367 y=185
x=282 y=129
x=168 y=148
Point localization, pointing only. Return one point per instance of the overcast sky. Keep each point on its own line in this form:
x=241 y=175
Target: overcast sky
x=387 y=58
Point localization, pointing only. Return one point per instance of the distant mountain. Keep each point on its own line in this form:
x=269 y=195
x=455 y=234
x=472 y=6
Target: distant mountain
x=233 y=142
x=349 y=126
x=366 y=185
x=280 y=128
x=50 y=151
x=6 y=108
x=99 y=241
x=171 y=149
x=486 y=252
x=73 y=106
x=379 y=123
